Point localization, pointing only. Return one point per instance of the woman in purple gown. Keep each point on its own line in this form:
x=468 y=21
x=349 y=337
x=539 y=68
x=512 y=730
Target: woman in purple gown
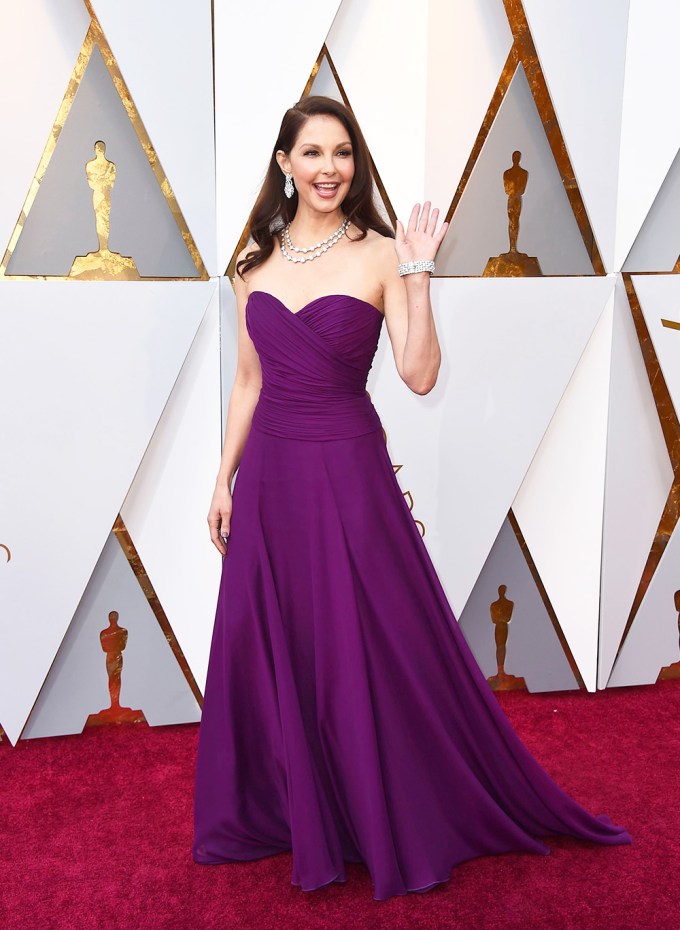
x=345 y=718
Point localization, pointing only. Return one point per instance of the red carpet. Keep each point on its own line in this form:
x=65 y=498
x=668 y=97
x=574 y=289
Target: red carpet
x=96 y=833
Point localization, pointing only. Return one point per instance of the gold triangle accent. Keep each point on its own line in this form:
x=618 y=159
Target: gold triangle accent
x=670 y=426
x=324 y=53
x=131 y=554
x=546 y=600
x=95 y=36
x=523 y=52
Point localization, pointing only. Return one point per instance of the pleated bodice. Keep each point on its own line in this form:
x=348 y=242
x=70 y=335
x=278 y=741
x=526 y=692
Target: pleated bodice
x=315 y=364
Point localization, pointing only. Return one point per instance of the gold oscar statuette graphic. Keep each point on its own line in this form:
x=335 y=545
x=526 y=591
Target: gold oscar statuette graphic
x=101 y=176
x=114 y=640
x=501 y=615
x=513 y=264
x=672 y=671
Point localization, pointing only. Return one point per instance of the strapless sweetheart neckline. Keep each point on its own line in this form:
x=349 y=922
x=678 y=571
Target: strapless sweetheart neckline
x=316 y=300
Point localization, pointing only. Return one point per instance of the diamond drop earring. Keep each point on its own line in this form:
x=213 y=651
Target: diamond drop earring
x=288 y=188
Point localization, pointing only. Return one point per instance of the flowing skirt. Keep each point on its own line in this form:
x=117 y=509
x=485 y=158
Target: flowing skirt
x=345 y=717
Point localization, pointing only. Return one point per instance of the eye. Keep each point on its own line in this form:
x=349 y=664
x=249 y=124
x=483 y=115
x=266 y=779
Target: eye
x=345 y=152
x=311 y=152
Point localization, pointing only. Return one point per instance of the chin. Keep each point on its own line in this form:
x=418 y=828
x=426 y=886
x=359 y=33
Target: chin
x=333 y=205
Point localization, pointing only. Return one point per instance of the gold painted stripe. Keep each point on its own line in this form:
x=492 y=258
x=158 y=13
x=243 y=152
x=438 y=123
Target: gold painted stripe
x=670 y=324
x=131 y=554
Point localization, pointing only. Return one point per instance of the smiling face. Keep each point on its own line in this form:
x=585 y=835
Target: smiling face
x=321 y=161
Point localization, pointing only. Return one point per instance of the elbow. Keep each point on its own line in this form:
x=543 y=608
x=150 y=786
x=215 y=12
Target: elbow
x=421 y=378
x=423 y=387
x=425 y=383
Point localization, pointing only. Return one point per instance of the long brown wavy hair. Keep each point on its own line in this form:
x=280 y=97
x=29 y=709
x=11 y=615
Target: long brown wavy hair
x=273 y=209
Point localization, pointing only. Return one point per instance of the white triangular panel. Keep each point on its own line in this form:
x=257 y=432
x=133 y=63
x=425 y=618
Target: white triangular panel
x=652 y=640
x=260 y=70
x=582 y=53
x=659 y=297
x=559 y=506
x=509 y=348
x=30 y=105
x=386 y=84
x=164 y=52
x=638 y=479
x=649 y=138
x=89 y=367
x=657 y=245
x=166 y=507
x=467 y=45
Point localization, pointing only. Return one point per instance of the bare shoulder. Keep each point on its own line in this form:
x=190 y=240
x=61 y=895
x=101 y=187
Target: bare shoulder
x=380 y=248
x=384 y=246
x=384 y=257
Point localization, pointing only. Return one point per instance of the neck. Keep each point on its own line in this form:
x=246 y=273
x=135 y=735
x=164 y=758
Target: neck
x=309 y=226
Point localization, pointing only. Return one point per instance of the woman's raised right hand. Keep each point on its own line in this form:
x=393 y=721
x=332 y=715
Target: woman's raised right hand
x=219 y=517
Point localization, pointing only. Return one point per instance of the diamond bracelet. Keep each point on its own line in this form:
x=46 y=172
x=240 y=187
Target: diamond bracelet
x=414 y=267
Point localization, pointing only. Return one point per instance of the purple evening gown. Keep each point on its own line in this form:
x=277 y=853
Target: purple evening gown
x=345 y=717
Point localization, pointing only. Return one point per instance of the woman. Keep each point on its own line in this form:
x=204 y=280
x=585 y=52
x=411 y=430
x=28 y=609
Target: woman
x=344 y=715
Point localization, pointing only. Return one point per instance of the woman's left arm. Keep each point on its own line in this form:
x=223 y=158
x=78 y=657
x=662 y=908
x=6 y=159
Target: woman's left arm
x=408 y=311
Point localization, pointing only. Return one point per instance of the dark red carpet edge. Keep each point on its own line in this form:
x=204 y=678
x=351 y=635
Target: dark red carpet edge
x=96 y=833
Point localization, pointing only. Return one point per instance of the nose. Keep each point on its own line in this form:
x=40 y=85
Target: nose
x=328 y=166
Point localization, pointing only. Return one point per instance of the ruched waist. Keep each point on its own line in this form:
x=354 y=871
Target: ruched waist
x=316 y=419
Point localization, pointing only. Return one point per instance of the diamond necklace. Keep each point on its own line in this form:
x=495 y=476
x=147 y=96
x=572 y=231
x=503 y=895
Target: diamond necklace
x=317 y=249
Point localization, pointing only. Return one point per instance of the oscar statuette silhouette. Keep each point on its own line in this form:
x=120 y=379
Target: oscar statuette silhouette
x=501 y=615
x=102 y=264
x=113 y=641
x=513 y=264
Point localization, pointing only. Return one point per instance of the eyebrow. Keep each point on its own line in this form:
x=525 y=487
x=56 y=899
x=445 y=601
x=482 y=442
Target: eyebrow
x=317 y=146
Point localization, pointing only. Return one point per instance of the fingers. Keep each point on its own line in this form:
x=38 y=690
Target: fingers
x=424 y=216
x=442 y=232
x=424 y=221
x=422 y=228
x=413 y=219
x=218 y=541
x=219 y=530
